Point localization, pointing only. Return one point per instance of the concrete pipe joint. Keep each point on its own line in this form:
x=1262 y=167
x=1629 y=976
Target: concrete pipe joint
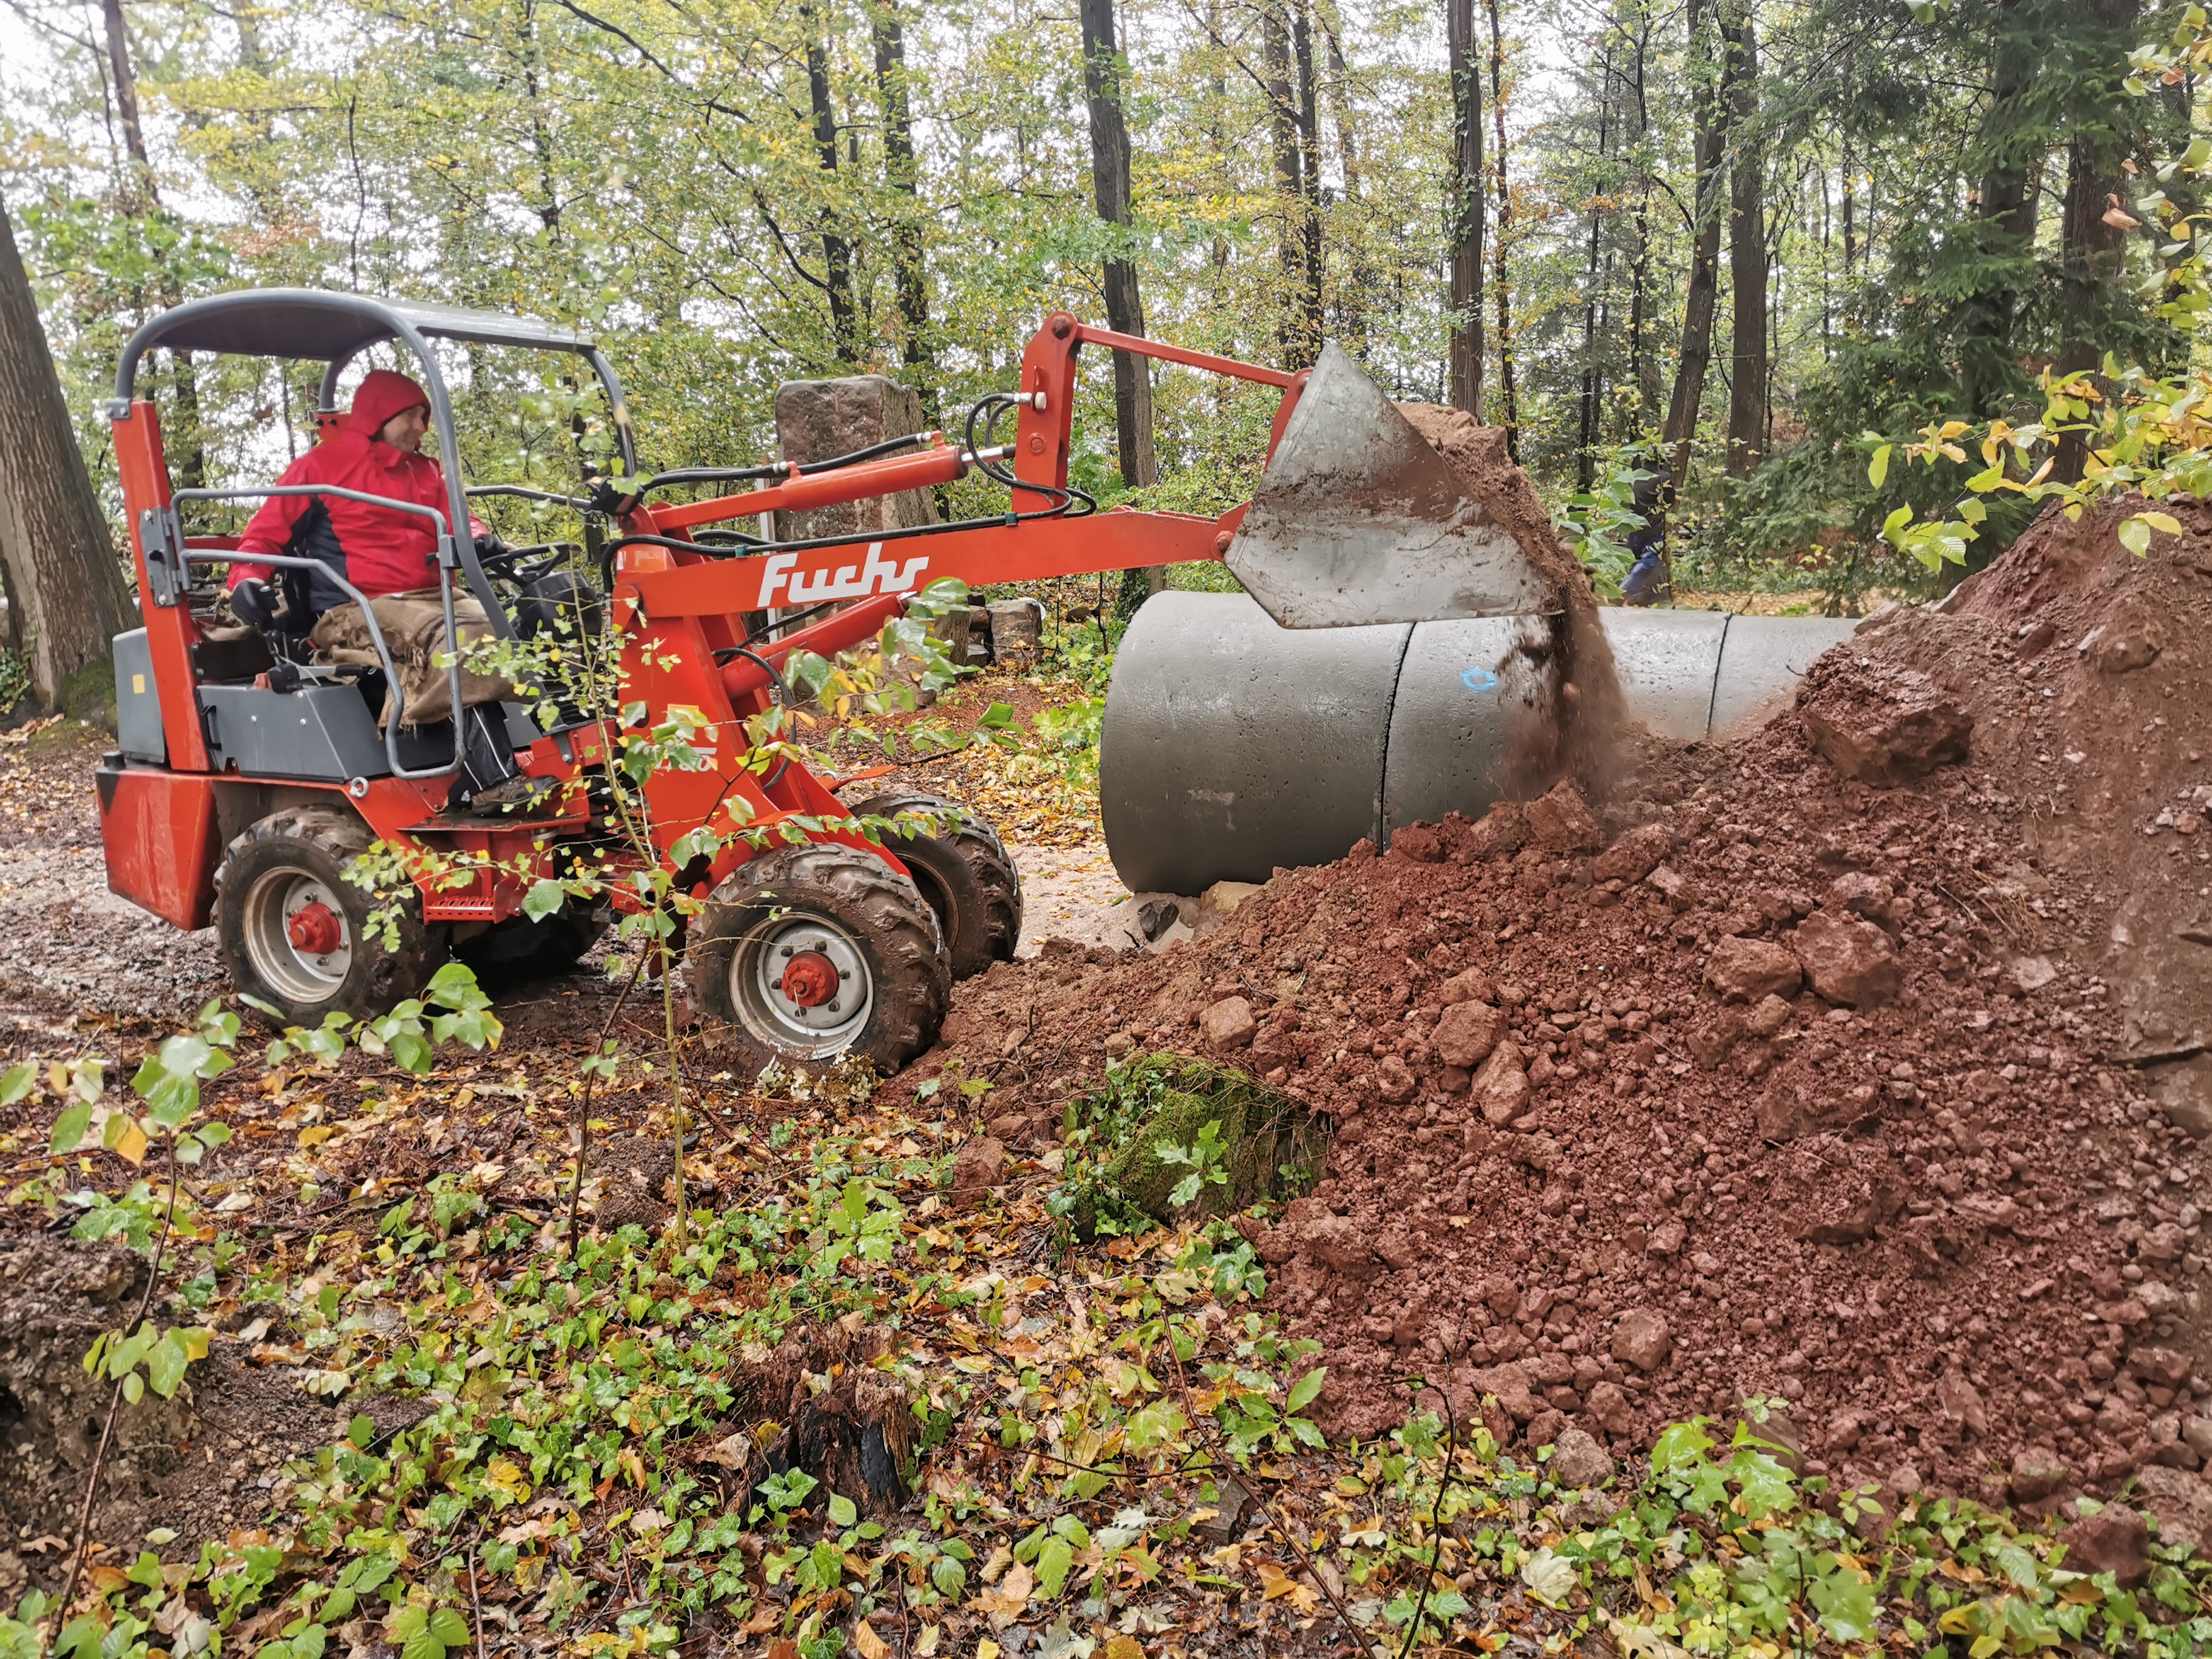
x=1231 y=746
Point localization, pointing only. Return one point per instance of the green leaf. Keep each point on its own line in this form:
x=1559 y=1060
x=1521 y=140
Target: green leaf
x=1682 y=1446
x=454 y=986
x=69 y=1127
x=998 y=717
x=165 y=1365
x=843 y=1510
x=360 y=1431
x=18 y=1082
x=1306 y=1388
x=2165 y=521
x=1846 y=1605
x=423 y=1645
x=134 y=1389
x=949 y=1576
x=545 y=898
x=1053 y=1563
x=449 y=1627
x=1765 y=1485
x=2135 y=536
x=411 y=1620
x=1878 y=468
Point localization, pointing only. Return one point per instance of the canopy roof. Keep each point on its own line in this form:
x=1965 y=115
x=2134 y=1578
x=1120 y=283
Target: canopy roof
x=331 y=327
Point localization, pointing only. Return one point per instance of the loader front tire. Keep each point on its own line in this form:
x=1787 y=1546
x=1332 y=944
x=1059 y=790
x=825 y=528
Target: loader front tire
x=964 y=872
x=295 y=935
x=812 y=952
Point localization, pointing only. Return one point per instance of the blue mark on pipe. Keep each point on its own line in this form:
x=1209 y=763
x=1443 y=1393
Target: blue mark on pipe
x=1479 y=679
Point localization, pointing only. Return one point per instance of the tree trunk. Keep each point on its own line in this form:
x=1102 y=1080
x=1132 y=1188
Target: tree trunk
x=68 y=596
x=1310 y=226
x=836 y=248
x=1512 y=411
x=1125 y=309
x=1464 y=200
x=126 y=98
x=1586 y=426
x=1351 y=306
x=2091 y=248
x=2012 y=157
x=1850 y=228
x=1747 y=428
x=1290 y=181
x=1643 y=369
x=1216 y=131
x=1709 y=107
x=909 y=274
x=141 y=195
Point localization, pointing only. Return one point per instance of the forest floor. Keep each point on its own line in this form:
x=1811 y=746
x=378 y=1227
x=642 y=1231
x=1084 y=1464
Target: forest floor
x=1760 y=1207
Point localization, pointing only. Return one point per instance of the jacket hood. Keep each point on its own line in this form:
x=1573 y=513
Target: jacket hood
x=383 y=394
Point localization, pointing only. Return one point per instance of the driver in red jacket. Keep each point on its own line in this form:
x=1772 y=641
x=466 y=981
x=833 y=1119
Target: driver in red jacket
x=391 y=556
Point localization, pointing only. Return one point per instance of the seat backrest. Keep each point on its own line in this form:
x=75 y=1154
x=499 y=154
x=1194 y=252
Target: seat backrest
x=221 y=655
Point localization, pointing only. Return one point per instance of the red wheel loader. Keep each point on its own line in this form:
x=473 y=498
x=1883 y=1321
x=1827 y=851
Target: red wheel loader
x=250 y=776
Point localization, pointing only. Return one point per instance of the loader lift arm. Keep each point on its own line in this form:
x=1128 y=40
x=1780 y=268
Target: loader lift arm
x=658 y=577
x=680 y=606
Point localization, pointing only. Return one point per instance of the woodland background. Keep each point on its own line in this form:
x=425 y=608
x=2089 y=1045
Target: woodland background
x=1750 y=230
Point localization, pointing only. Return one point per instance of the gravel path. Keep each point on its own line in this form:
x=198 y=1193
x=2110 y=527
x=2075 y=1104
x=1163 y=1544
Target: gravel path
x=76 y=954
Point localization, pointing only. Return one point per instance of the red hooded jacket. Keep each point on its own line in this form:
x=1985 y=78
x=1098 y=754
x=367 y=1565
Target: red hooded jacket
x=378 y=549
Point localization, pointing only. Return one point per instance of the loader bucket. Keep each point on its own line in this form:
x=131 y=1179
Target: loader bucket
x=1358 y=520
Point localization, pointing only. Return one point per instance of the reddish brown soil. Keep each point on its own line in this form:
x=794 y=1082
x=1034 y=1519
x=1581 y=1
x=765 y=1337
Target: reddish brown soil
x=1950 y=1226
x=1593 y=715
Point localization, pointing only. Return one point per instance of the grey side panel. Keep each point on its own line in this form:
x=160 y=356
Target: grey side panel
x=1760 y=665
x=521 y=730
x=1231 y=745
x=319 y=731
x=1464 y=698
x=138 y=699
x=1665 y=660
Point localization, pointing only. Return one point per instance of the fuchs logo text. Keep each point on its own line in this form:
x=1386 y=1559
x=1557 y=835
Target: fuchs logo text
x=878 y=574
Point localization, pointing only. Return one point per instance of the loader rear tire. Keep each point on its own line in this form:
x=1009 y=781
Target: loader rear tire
x=964 y=872
x=813 y=953
x=295 y=933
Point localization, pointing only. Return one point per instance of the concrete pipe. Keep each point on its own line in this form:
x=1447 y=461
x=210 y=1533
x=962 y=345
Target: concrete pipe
x=1231 y=746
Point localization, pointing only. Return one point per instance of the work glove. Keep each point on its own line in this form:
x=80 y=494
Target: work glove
x=251 y=602
x=489 y=547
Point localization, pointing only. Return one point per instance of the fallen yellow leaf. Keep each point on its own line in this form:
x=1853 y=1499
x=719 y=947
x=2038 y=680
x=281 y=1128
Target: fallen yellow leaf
x=871 y=1646
x=130 y=1143
x=316 y=1136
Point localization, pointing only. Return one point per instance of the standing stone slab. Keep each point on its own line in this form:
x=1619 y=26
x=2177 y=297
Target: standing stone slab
x=818 y=419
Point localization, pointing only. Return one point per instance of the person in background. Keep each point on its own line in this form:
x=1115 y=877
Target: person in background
x=1647 y=581
x=391 y=556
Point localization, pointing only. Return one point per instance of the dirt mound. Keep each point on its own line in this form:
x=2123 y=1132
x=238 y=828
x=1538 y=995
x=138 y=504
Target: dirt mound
x=200 y=1463
x=1800 y=1086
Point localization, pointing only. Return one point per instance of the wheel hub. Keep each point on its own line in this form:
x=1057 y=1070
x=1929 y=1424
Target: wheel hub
x=314 y=927
x=295 y=935
x=806 y=982
x=811 y=979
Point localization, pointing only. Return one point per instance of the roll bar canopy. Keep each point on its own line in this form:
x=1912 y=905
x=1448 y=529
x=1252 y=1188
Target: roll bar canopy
x=336 y=328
